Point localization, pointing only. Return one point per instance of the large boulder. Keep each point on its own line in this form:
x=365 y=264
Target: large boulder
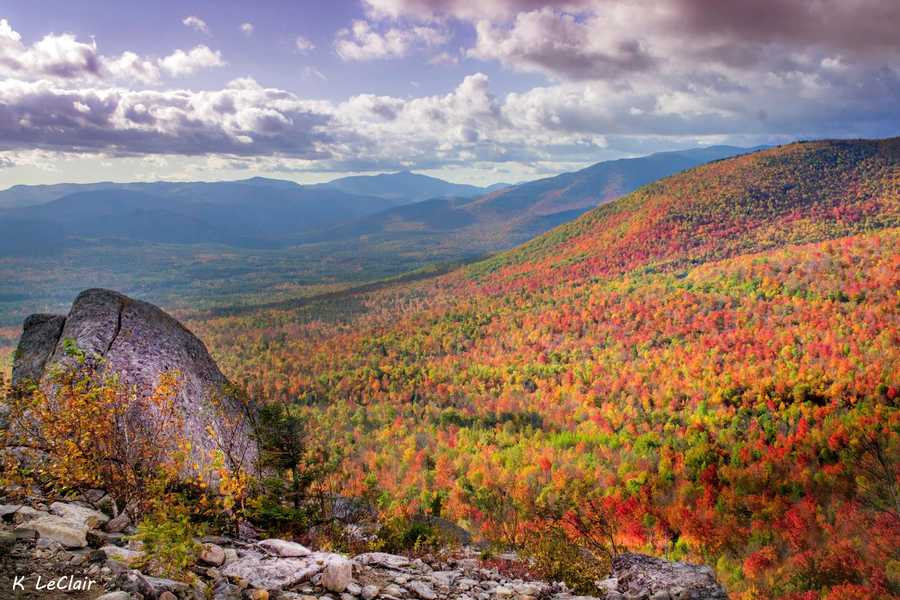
x=40 y=334
x=138 y=342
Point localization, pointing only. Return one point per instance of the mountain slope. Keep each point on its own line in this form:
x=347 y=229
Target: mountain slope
x=403 y=187
x=706 y=368
x=511 y=215
x=241 y=214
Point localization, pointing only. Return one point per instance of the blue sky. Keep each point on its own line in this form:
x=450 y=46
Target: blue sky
x=470 y=90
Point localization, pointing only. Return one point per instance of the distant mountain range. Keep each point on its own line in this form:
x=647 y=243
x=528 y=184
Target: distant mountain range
x=254 y=213
x=502 y=218
x=405 y=187
x=405 y=210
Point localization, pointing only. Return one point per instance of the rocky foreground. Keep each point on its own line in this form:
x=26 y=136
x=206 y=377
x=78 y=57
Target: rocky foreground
x=72 y=550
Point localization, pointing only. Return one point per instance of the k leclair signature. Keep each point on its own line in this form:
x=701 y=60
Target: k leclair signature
x=64 y=583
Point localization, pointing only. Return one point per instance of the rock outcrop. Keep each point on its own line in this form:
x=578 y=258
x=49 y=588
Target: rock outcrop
x=637 y=576
x=139 y=342
x=232 y=569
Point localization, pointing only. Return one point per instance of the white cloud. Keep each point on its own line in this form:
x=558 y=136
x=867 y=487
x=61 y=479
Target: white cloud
x=60 y=56
x=196 y=23
x=129 y=65
x=64 y=58
x=362 y=42
x=247 y=29
x=303 y=44
x=562 y=46
x=181 y=63
x=464 y=9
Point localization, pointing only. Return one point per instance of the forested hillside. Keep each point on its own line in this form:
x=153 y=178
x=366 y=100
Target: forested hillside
x=705 y=369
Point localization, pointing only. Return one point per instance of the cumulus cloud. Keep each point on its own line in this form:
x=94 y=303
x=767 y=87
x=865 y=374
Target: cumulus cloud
x=196 y=23
x=246 y=29
x=465 y=9
x=181 y=63
x=362 y=42
x=567 y=123
x=560 y=46
x=53 y=56
x=243 y=118
x=63 y=57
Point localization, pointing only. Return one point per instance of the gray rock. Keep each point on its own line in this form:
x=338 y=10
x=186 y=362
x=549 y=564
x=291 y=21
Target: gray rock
x=382 y=559
x=270 y=573
x=81 y=514
x=70 y=534
x=226 y=591
x=338 y=574
x=393 y=590
x=640 y=576
x=40 y=335
x=117 y=595
x=19 y=513
x=354 y=589
x=212 y=554
x=422 y=590
x=284 y=548
x=369 y=592
x=117 y=524
x=139 y=342
x=444 y=578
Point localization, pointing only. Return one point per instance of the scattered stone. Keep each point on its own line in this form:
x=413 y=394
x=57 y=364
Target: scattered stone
x=212 y=554
x=117 y=595
x=422 y=590
x=23 y=514
x=167 y=595
x=69 y=534
x=223 y=590
x=284 y=548
x=338 y=574
x=637 y=575
x=97 y=538
x=80 y=514
x=117 y=524
x=271 y=573
x=369 y=592
x=354 y=589
x=503 y=592
x=382 y=559
x=444 y=578
x=257 y=594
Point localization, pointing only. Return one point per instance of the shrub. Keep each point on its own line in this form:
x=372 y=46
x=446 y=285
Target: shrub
x=91 y=432
x=557 y=558
x=168 y=535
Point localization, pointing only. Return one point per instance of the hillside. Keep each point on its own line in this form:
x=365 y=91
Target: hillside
x=705 y=368
x=511 y=215
x=200 y=245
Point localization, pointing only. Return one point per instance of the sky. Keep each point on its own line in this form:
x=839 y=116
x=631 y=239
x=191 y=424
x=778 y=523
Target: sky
x=475 y=91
